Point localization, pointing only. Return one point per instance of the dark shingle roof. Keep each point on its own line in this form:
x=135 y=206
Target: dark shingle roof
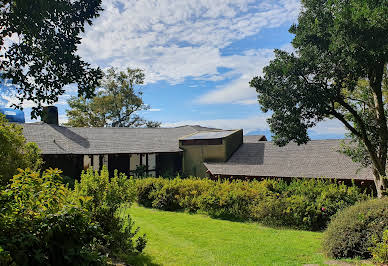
x=254 y=138
x=318 y=158
x=53 y=139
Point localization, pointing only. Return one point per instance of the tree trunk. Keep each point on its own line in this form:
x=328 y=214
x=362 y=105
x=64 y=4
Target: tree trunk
x=381 y=183
x=375 y=81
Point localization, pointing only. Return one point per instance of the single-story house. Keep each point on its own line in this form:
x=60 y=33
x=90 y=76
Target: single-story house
x=189 y=150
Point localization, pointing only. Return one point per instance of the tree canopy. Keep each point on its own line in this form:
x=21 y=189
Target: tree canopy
x=336 y=71
x=117 y=104
x=38 y=44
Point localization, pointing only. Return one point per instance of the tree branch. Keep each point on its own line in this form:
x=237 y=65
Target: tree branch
x=363 y=134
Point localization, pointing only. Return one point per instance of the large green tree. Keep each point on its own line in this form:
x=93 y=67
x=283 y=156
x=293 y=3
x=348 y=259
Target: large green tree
x=117 y=104
x=337 y=45
x=38 y=44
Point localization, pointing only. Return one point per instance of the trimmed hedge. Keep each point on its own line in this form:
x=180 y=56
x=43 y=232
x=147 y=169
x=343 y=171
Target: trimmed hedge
x=353 y=231
x=305 y=204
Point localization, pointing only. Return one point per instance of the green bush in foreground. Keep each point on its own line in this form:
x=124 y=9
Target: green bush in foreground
x=39 y=224
x=380 y=250
x=15 y=152
x=44 y=222
x=305 y=204
x=102 y=196
x=352 y=232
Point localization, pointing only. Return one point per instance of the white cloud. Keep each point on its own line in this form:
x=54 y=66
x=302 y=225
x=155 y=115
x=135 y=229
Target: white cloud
x=259 y=123
x=246 y=66
x=249 y=124
x=154 y=110
x=248 y=101
x=173 y=40
x=329 y=126
x=10 y=100
x=62 y=119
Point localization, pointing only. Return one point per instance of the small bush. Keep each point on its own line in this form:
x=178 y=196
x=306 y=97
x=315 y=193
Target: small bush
x=102 y=196
x=351 y=233
x=380 y=250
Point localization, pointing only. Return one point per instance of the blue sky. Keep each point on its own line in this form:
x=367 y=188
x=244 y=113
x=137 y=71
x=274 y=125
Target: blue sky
x=198 y=57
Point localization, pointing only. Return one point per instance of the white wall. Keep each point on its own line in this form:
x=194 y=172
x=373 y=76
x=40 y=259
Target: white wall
x=87 y=162
x=134 y=161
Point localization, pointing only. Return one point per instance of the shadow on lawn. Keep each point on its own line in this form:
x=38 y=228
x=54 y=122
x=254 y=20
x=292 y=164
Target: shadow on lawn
x=141 y=259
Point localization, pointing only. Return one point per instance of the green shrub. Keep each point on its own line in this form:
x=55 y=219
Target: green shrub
x=102 y=196
x=15 y=152
x=43 y=222
x=229 y=200
x=351 y=232
x=166 y=198
x=309 y=203
x=69 y=181
x=191 y=191
x=39 y=225
x=147 y=188
x=305 y=204
x=380 y=249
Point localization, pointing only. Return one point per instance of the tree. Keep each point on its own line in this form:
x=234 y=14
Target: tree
x=336 y=71
x=15 y=152
x=116 y=105
x=38 y=44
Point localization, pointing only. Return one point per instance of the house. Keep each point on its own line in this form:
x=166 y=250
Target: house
x=189 y=150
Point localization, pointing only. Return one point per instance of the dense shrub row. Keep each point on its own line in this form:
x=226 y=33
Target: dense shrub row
x=304 y=204
x=44 y=222
x=355 y=231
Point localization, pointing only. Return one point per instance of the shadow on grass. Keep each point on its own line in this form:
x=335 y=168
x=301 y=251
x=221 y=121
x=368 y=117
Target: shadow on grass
x=141 y=259
x=224 y=217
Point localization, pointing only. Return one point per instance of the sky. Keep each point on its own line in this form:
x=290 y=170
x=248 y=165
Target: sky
x=198 y=57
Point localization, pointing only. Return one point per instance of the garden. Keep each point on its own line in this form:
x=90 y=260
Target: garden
x=101 y=219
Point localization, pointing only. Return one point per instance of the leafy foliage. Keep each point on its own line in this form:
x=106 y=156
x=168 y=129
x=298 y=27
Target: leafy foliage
x=44 y=222
x=117 y=104
x=44 y=59
x=14 y=151
x=39 y=225
x=102 y=196
x=305 y=204
x=380 y=250
x=337 y=71
x=352 y=231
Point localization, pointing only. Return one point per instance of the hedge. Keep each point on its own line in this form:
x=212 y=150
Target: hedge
x=302 y=203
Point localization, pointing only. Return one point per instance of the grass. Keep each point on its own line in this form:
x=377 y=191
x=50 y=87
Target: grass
x=185 y=239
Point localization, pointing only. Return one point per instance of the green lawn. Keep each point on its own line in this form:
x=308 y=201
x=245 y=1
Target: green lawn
x=184 y=239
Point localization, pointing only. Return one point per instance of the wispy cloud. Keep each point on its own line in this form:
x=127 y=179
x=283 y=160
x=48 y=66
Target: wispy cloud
x=173 y=40
x=259 y=123
x=329 y=127
x=249 y=124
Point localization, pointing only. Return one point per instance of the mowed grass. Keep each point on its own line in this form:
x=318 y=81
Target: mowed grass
x=185 y=239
